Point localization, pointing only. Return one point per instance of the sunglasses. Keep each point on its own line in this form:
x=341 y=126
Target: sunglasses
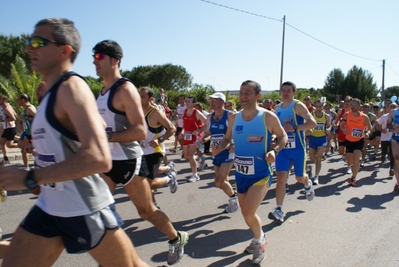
x=37 y=41
x=348 y=100
x=98 y=56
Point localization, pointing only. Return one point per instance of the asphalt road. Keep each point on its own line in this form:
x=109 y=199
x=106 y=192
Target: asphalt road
x=342 y=226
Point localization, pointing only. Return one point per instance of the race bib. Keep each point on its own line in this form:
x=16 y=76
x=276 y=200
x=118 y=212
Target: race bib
x=291 y=142
x=216 y=139
x=244 y=165
x=45 y=160
x=357 y=133
x=188 y=136
x=320 y=127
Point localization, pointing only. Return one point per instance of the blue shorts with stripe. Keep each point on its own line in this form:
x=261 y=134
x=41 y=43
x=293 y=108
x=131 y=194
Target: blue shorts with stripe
x=297 y=156
x=319 y=141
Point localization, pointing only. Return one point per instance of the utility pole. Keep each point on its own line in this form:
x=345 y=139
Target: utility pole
x=383 y=81
x=282 y=55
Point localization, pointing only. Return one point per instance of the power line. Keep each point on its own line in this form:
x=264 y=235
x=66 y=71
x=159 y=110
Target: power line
x=295 y=28
x=391 y=68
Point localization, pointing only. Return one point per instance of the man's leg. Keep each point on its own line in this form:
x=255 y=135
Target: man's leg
x=222 y=178
x=139 y=193
x=28 y=250
x=116 y=249
x=249 y=203
x=319 y=155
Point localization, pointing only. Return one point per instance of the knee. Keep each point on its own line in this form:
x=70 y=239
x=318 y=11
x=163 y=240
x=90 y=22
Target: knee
x=219 y=182
x=281 y=180
x=146 y=212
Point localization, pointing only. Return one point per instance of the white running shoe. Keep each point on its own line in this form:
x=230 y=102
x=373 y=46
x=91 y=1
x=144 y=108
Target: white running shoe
x=232 y=206
x=349 y=170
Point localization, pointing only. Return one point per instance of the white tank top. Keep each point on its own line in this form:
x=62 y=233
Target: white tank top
x=180 y=111
x=53 y=144
x=117 y=121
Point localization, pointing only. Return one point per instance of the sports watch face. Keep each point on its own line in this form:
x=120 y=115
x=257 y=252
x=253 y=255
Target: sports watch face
x=31 y=184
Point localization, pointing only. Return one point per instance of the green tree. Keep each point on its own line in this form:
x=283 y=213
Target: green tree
x=391 y=91
x=10 y=47
x=21 y=81
x=94 y=84
x=359 y=84
x=334 y=85
x=167 y=76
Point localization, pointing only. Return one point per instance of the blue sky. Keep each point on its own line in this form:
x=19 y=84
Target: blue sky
x=223 y=47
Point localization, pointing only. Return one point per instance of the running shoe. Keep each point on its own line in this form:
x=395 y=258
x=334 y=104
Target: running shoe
x=193 y=178
x=309 y=191
x=391 y=172
x=173 y=184
x=362 y=163
x=173 y=150
x=259 y=253
x=315 y=180
x=352 y=181
x=332 y=150
x=349 y=170
x=232 y=206
x=3 y=195
x=5 y=162
x=277 y=215
x=172 y=168
x=176 y=249
x=396 y=188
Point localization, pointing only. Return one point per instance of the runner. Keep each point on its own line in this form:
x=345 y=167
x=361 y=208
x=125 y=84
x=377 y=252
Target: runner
x=375 y=135
x=341 y=136
x=253 y=129
x=332 y=135
x=180 y=108
x=194 y=123
x=222 y=162
x=26 y=118
x=71 y=149
x=292 y=113
x=356 y=126
x=393 y=126
x=120 y=107
x=159 y=128
x=318 y=139
x=8 y=118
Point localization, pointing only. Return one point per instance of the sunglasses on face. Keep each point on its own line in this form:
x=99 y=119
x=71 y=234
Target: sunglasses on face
x=98 y=56
x=37 y=41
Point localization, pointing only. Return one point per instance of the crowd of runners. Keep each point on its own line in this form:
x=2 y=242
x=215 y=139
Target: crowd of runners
x=85 y=146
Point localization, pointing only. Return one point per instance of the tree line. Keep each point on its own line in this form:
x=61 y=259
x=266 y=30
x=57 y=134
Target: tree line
x=16 y=78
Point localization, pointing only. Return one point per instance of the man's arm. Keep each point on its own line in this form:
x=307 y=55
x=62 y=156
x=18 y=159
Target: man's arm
x=31 y=112
x=129 y=99
x=342 y=123
x=228 y=136
x=302 y=111
x=9 y=111
x=165 y=122
x=274 y=126
x=82 y=119
x=207 y=132
x=202 y=118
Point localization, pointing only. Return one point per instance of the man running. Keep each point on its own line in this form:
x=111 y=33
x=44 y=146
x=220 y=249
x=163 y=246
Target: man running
x=252 y=129
x=386 y=136
x=71 y=148
x=222 y=162
x=332 y=135
x=120 y=107
x=375 y=135
x=26 y=118
x=180 y=108
x=159 y=129
x=356 y=126
x=346 y=106
x=393 y=126
x=318 y=139
x=292 y=115
x=194 y=123
x=8 y=118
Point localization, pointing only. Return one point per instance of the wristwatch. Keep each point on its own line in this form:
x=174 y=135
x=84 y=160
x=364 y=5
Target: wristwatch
x=295 y=128
x=275 y=151
x=161 y=139
x=30 y=181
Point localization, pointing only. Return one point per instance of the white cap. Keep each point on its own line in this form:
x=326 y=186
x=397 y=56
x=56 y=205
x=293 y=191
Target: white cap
x=217 y=95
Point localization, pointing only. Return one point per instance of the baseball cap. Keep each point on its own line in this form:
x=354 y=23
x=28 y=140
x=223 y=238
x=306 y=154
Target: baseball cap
x=110 y=48
x=217 y=95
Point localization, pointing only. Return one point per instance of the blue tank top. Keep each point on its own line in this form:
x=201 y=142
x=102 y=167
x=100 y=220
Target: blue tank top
x=218 y=130
x=395 y=121
x=288 y=115
x=252 y=142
